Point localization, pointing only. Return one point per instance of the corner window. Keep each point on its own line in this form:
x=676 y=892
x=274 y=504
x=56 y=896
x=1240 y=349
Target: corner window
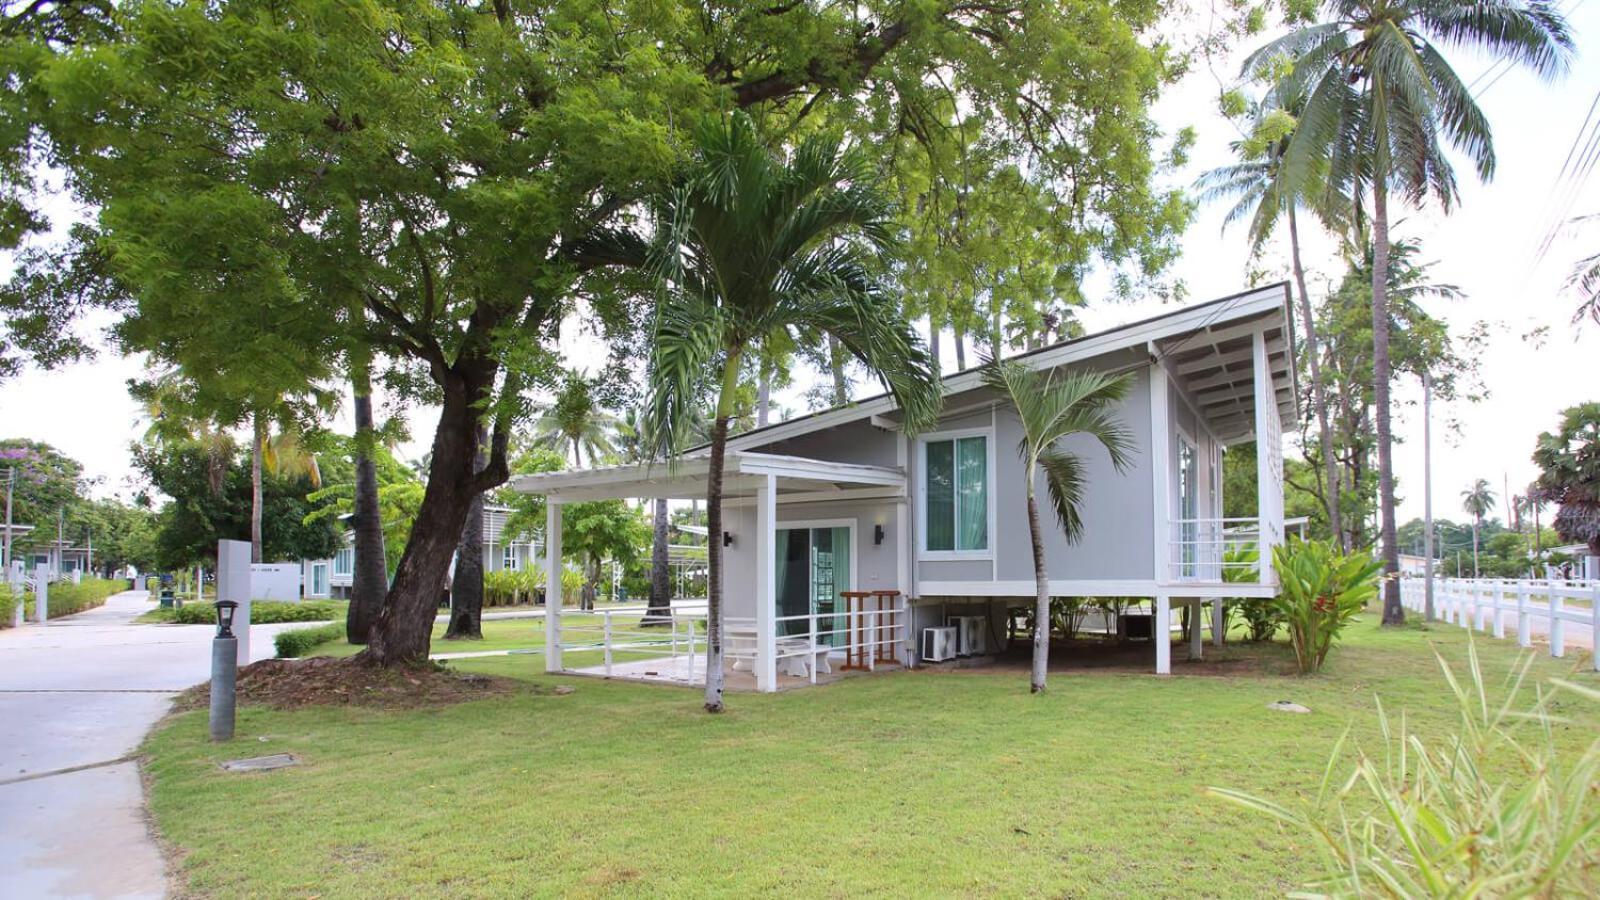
x=956 y=494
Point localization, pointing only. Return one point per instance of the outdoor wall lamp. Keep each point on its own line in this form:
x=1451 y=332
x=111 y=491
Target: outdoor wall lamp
x=877 y=535
x=727 y=539
x=225 y=611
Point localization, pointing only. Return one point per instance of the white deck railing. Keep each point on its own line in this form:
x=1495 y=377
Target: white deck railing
x=618 y=631
x=1485 y=604
x=1214 y=550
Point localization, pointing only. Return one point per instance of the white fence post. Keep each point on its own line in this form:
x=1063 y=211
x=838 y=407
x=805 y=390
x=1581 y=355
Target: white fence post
x=1594 y=627
x=1500 y=609
x=1557 y=621
x=1524 y=625
x=1480 y=610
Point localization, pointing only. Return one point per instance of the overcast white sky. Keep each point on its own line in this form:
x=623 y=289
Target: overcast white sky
x=1486 y=248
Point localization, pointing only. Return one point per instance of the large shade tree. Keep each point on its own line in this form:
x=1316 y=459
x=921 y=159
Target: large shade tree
x=1569 y=474
x=410 y=176
x=745 y=244
x=1382 y=106
x=1052 y=408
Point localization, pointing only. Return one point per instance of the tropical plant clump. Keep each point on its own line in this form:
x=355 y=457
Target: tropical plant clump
x=1496 y=809
x=1322 y=589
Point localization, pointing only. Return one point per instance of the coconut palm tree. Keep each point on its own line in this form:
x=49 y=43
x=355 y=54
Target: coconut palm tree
x=1477 y=501
x=748 y=243
x=1051 y=409
x=1382 y=102
x=574 y=420
x=1262 y=193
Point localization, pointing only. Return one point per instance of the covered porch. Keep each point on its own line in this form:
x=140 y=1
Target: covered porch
x=796 y=609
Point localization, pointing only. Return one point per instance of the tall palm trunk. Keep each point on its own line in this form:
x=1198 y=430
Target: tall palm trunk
x=258 y=449
x=1319 y=392
x=659 y=609
x=959 y=338
x=466 y=588
x=841 y=387
x=1393 y=612
x=933 y=342
x=371 y=576
x=1041 y=600
x=1476 y=521
x=719 y=447
x=763 y=396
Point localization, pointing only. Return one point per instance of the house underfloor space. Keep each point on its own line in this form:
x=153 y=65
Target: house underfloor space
x=1133 y=657
x=685 y=671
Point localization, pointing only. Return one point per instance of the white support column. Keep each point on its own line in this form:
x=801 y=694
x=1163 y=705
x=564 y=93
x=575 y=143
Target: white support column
x=1196 y=644
x=1161 y=634
x=41 y=597
x=1160 y=463
x=552 y=586
x=1266 y=399
x=1499 y=619
x=766 y=585
x=1219 y=621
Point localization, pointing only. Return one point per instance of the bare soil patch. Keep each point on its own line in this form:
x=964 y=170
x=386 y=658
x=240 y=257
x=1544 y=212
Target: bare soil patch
x=335 y=681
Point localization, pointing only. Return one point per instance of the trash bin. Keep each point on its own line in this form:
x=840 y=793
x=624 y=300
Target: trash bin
x=166 y=598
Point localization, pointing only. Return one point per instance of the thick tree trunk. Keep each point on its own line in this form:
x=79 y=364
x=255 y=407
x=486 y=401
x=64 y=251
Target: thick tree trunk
x=719 y=447
x=841 y=386
x=402 y=632
x=659 y=609
x=370 y=579
x=1319 y=392
x=1393 y=612
x=1041 y=600
x=466 y=589
x=258 y=448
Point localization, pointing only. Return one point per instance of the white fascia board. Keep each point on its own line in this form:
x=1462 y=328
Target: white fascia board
x=1208 y=315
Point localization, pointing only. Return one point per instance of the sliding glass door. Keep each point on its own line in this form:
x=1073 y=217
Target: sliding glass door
x=813 y=569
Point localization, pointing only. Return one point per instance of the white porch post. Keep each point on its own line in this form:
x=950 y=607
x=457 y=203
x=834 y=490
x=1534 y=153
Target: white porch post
x=1266 y=399
x=552 y=586
x=1219 y=621
x=766 y=585
x=1195 y=642
x=1160 y=462
x=1161 y=634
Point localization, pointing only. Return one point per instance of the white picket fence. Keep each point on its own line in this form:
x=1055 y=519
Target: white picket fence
x=1486 y=603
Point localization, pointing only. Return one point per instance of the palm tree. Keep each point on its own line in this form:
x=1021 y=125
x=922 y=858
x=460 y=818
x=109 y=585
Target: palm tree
x=1477 y=501
x=1262 y=193
x=575 y=420
x=747 y=244
x=1380 y=96
x=1051 y=408
x=369 y=579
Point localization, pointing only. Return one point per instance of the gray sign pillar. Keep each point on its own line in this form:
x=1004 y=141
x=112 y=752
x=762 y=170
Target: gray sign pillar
x=41 y=597
x=233 y=583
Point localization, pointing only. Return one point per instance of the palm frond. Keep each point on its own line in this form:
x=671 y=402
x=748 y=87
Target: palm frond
x=1532 y=33
x=1064 y=482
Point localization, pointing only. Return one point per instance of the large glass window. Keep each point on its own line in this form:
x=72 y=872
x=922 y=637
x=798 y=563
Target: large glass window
x=344 y=561
x=956 y=494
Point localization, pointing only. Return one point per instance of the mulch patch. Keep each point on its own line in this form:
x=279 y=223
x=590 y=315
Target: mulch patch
x=334 y=681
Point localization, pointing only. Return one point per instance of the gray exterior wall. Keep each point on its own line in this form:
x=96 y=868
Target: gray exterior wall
x=874 y=564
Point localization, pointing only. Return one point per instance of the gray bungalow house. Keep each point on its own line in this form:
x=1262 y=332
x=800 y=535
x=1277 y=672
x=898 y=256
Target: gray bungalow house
x=325 y=578
x=850 y=541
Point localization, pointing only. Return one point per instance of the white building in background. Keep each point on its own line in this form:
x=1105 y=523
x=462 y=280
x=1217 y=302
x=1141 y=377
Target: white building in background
x=332 y=577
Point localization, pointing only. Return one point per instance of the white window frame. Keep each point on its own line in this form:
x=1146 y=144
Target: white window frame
x=320 y=569
x=341 y=554
x=923 y=440
x=508 y=557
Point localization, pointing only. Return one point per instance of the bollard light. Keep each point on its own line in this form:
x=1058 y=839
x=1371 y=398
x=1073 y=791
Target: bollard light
x=225 y=611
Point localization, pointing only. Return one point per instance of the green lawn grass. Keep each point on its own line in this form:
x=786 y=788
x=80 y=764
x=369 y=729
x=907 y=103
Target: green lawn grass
x=896 y=784
x=503 y=634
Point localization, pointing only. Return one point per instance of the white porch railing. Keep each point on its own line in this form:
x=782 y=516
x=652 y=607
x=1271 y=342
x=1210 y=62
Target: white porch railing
x=869 y=635
x=1485 y=604
x=1215 y=550
x=618 y=632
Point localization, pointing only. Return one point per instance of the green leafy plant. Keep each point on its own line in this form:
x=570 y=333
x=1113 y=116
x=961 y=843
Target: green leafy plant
x=262 y=612
x=1497 y=809
x=297 y=642
x=1321 y=590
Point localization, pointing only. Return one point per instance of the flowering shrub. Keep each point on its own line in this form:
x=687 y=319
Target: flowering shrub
x=1321 y=590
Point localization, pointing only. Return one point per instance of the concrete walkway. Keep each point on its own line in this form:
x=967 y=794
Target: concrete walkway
x=76 y=697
